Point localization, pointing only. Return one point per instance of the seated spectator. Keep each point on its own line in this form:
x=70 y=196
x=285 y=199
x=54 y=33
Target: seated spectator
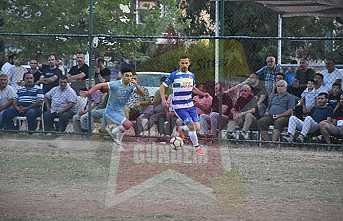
x=318 y=113
x=335 y=94
x=97 y=112
x=290 y=73
x=278 y=77
x=7 y=96
x=277 y=113
x=156 y=115
x=331 y=74
x=307 y=100
x=333 y=127
x=27 y=104
x=243 y=113
x=259 y=92
x=50 y=75
x=209 y=123
x=202 y=104
x=137 y=104
x=80 y=108
x=267 y=73
x=63 y=98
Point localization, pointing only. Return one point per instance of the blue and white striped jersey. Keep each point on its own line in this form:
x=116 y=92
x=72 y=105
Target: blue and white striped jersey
x=182 y=84
x=27 y=95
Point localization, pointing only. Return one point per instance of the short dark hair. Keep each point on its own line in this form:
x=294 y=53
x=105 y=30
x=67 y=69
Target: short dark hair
x=320 y=75
x=184 y=56
x=312 y=80
x=294 y=62
x=337 y=84
x=323 y=94
x=125 y=69
x=281 y=74
x=26 y=73
x=63 y=77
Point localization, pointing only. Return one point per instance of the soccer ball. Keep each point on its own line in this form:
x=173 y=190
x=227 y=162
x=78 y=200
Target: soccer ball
x=176 y=143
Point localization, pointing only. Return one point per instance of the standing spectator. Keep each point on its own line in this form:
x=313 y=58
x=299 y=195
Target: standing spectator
x=331 y=74
x=102 y=73
x=268 y=73
x=50 y=74
x=290 y=73
x=333 y=127
x=34 y=69
x=7 y=96
x=303 y=74
x=78 y=74
x=278 y=112
x=27 y=104
x=9 y=64
x=311 y=123
x=15 y=74
x=63 y=98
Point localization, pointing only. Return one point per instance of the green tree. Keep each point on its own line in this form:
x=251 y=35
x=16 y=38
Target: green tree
x=63 y=16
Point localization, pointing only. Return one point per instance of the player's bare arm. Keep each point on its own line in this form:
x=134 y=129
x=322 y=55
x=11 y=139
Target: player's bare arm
x=103 y=87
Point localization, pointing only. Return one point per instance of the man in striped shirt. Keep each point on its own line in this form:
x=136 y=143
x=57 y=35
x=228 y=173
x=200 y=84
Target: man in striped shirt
x=28 y=103
x=182 y=82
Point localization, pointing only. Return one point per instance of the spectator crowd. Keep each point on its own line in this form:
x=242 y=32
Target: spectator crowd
x=292 y=104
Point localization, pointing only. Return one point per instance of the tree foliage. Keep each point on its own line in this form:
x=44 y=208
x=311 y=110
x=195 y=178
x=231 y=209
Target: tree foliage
x=65 y=16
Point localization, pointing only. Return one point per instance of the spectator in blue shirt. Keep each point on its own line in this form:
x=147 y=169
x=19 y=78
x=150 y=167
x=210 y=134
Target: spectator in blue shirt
x=268 y=73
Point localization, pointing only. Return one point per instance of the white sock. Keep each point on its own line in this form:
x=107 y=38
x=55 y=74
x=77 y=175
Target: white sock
x=194 y=138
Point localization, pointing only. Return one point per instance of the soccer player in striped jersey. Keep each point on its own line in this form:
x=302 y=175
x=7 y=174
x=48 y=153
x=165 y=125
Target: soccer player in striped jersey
x=182 y=82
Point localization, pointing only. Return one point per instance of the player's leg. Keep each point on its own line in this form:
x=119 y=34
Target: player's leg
x=185 y=115
x=121 y=125
x=193 y=131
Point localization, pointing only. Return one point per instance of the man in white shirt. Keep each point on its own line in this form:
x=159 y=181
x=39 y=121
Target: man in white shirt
x=7 y=95
x=331 y=74
x=10 y=63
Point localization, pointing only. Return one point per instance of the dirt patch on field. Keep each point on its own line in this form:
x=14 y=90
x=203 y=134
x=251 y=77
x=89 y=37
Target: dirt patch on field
x=78 y=179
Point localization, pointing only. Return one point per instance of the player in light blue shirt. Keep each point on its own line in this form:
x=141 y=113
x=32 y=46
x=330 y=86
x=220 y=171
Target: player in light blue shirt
x=119 y=94
x=182 y=82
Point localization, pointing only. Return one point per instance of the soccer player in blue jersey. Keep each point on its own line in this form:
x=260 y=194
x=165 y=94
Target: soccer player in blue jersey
x=182 y=82
x=119 y=93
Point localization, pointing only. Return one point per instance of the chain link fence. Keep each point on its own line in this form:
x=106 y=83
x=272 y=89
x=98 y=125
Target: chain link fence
x=242 y=90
